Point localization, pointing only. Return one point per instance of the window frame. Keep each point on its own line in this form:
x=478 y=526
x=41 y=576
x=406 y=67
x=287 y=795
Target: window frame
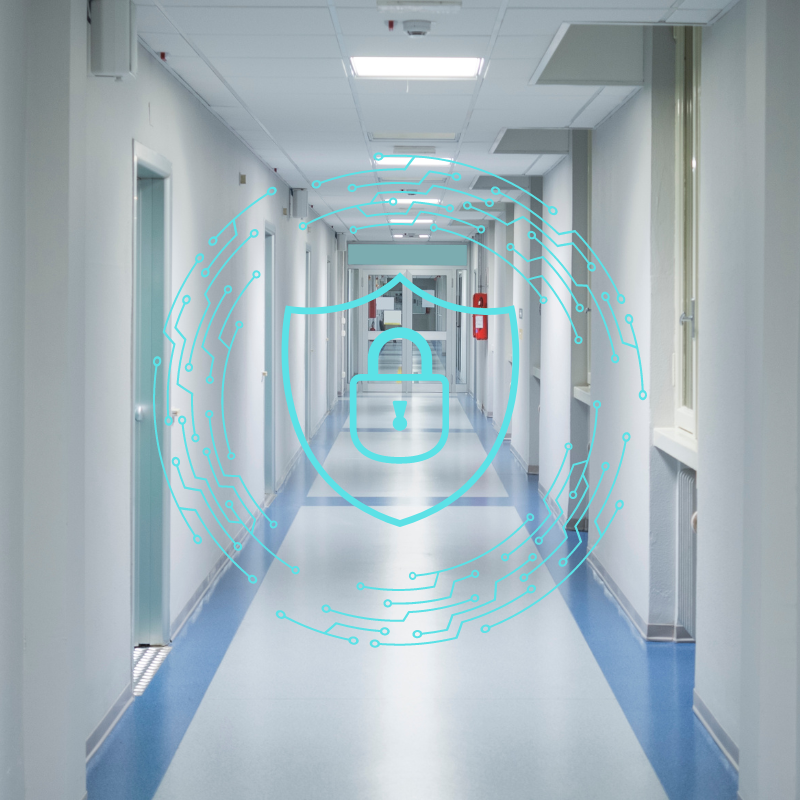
x=687 y=167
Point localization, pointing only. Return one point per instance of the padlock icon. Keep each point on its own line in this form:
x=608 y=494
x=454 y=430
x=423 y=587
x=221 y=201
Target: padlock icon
x=426 y=374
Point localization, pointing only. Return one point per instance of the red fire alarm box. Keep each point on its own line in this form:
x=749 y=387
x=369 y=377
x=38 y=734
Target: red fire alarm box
x=480 y=322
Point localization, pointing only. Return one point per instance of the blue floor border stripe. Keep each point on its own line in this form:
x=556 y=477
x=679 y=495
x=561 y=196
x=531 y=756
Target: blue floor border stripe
x=652 y=681
x=132 y=761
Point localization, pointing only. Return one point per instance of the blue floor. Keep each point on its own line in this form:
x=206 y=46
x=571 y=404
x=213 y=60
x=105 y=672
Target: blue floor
x=651 y=681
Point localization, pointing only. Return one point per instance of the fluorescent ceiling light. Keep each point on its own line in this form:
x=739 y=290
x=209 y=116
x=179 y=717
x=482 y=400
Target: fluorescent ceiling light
x=407 y=201
x=397 y=235
x=416 y=68
x=424 y=236
x=410 y=221
x=402 y=136
x=418 y=161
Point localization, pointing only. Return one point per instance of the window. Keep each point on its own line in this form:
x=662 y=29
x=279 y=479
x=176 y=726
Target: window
x=687 y=85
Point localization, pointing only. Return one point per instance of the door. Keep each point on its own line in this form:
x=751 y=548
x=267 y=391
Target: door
x=267 y=376
x=433 y=322
x=309 y=351
x=402 y=307
x=150 y=500
x=384 y=313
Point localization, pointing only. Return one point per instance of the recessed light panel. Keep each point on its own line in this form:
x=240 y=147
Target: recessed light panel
x=416 y=68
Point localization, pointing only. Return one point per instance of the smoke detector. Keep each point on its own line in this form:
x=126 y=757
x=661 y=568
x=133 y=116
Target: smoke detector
x=417 y=27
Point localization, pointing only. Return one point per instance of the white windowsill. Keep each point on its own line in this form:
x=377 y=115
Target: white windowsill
x=676 y=443
x=537 y=373
x=583 y=394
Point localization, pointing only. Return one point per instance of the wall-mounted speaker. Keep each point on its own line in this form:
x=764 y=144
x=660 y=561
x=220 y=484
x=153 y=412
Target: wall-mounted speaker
x=299 y=203
x=114 y=42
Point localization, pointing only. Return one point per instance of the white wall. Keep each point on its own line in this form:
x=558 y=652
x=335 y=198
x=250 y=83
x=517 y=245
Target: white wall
x=556 y=360
x=53 y=470
x=12 y=219
x=633 y=233
x=206 y=162
x=621 y=194
x=723 y=291
x=770 y=746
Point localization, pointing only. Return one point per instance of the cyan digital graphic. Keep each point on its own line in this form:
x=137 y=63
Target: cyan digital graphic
x=432 y=606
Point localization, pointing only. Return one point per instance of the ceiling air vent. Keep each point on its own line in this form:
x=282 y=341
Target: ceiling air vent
x=414 y=150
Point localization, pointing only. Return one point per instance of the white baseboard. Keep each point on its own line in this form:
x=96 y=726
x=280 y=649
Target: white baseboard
x=716 y=731
x=653 y=631
x=106 y=725
x=531 y=469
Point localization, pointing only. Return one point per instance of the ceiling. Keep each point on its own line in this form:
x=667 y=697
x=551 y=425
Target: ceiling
x=274 y=72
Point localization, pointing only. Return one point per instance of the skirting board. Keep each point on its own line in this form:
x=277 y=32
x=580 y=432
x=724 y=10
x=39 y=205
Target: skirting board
x=98 y=735
x=531 y=469
x=716 y=731
x=108 y=722
x=653 y=632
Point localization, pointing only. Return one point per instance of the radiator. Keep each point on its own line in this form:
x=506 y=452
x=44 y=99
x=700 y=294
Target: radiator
x=687 y=553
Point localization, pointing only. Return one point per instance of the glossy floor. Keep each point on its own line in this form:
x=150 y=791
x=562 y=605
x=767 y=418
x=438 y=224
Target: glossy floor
x=564 y=701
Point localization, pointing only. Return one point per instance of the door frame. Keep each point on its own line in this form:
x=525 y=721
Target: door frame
x=360 y=275
x=162 y=167
x=308 y=267
x=269 y=362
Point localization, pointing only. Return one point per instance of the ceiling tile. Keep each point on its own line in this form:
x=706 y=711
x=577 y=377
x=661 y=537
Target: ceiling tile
x=256 y=21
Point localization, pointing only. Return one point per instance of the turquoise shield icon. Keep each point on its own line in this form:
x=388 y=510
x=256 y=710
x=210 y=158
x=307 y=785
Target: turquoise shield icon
x=399 y=423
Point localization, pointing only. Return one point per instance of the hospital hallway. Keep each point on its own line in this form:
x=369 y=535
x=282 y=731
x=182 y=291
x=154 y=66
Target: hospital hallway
x=399 y=400
x=559 y=704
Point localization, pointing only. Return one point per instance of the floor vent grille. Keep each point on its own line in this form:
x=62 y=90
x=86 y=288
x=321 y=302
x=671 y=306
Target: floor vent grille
x=146 y=661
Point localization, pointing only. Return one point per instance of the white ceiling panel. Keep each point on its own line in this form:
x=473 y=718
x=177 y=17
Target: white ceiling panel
x=170 y=43
x=150 y=20
x=280 y=67
x=284 y=60
x=263 y=100
x=258 y=21
x=406 y=46
x=609 y=99
x=238 y=118
x=589 y=6
x=256 y=46
x=499 y=101
x=687 y=16
x=238 y=3
x=406 y=103
x=370 y=86
x=546 y=21
x=297 y=87
x=468 y=22
x=414 y=120
x=715 y=4
x=532 y=47
x=197 y=74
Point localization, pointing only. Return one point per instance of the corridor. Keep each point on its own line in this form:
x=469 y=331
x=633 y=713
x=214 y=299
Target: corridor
x=400 y=400
x=571 y=680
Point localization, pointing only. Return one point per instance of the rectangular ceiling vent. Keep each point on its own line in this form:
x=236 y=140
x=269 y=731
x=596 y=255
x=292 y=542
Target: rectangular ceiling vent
x=417 y=6
x=412 y=136
x=414 y=150
x=532 y=141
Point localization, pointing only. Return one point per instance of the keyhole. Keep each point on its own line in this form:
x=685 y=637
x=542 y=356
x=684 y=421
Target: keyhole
x=400 y=423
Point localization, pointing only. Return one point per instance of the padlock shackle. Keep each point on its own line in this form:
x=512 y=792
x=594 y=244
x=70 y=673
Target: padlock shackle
x=400 y=333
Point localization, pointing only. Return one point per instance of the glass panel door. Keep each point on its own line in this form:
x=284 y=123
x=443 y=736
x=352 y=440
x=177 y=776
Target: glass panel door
x=433 y=322
x=383 y=314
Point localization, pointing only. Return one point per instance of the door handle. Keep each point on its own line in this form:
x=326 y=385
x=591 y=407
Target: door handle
x=684 y=318
x=138 y=413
